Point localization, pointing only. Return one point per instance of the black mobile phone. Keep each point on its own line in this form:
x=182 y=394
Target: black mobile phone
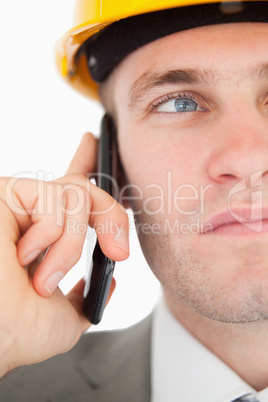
x=99 y=276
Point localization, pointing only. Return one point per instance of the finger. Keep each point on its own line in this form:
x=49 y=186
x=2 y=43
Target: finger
x=107 y=217
x=32 y=267
x=84 y=160
x=79 y=287
x=67 y=250
x=75 y=296
x=47 y=224
x=110 y=221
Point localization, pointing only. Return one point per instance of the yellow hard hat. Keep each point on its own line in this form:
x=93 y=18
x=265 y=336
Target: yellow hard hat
x=93 y=17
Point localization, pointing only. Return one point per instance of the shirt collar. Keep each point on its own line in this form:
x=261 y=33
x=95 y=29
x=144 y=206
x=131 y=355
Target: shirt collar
x=184 y=369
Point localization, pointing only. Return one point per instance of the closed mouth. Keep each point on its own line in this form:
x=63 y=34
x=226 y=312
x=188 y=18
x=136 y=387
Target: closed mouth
x=238 y=222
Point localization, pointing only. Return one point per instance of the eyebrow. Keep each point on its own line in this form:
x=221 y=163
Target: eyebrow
x=151 y=79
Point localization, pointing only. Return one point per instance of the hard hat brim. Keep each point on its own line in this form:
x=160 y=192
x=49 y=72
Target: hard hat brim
x=88 y=53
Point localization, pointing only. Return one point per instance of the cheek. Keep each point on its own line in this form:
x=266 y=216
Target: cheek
x=147 y=159
x=165 y=174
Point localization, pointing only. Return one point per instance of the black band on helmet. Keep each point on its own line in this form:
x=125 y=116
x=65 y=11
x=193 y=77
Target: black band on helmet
x=108 y=47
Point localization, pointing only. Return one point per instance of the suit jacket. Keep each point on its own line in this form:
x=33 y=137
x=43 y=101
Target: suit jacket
x=112 y=366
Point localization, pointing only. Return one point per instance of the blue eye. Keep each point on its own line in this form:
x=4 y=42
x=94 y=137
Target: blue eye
x=185 y=105
x=179 y=105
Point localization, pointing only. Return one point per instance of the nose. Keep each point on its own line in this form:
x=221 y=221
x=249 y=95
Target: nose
x=241 y=148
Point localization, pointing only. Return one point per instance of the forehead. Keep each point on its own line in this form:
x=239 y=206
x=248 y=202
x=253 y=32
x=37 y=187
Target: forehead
x=205 y=47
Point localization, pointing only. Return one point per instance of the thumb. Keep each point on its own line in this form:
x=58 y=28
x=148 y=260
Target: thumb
x=75 y=297
x=85 y=157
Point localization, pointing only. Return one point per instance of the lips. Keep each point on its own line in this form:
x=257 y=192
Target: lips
x=238 y=222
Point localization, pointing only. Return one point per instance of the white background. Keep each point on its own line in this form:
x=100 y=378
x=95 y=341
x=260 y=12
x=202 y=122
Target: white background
x=41 y=124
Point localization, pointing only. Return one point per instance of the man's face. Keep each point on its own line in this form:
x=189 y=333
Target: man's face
x=192 y=114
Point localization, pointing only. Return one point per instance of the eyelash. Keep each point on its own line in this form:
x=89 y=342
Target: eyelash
x=176 y=95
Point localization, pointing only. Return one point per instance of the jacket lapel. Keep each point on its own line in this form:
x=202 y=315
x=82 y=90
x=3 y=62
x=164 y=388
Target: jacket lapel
x=117 y=365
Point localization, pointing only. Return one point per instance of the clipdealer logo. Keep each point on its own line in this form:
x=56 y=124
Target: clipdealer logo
x=168 y=200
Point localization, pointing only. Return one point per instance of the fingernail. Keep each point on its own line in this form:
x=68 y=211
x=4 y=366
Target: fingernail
x=30 y=257
x=53 y=281
x=121 y=240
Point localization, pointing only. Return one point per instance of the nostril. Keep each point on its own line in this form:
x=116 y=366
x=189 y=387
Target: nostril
x=227 y=176
x=265 y=175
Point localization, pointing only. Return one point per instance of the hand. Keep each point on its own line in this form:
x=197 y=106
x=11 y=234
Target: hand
x=37 y=320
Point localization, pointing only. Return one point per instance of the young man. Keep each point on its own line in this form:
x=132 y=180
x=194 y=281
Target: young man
x=188 y=94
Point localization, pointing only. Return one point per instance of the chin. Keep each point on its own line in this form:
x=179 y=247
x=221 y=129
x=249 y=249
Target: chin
x=238 y=298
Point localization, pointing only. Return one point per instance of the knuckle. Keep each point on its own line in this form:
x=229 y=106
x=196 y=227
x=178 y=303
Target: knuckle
x=76 y=179
x=78 y=184
x=79 y=200
x=52 y=230
x=73 y=250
